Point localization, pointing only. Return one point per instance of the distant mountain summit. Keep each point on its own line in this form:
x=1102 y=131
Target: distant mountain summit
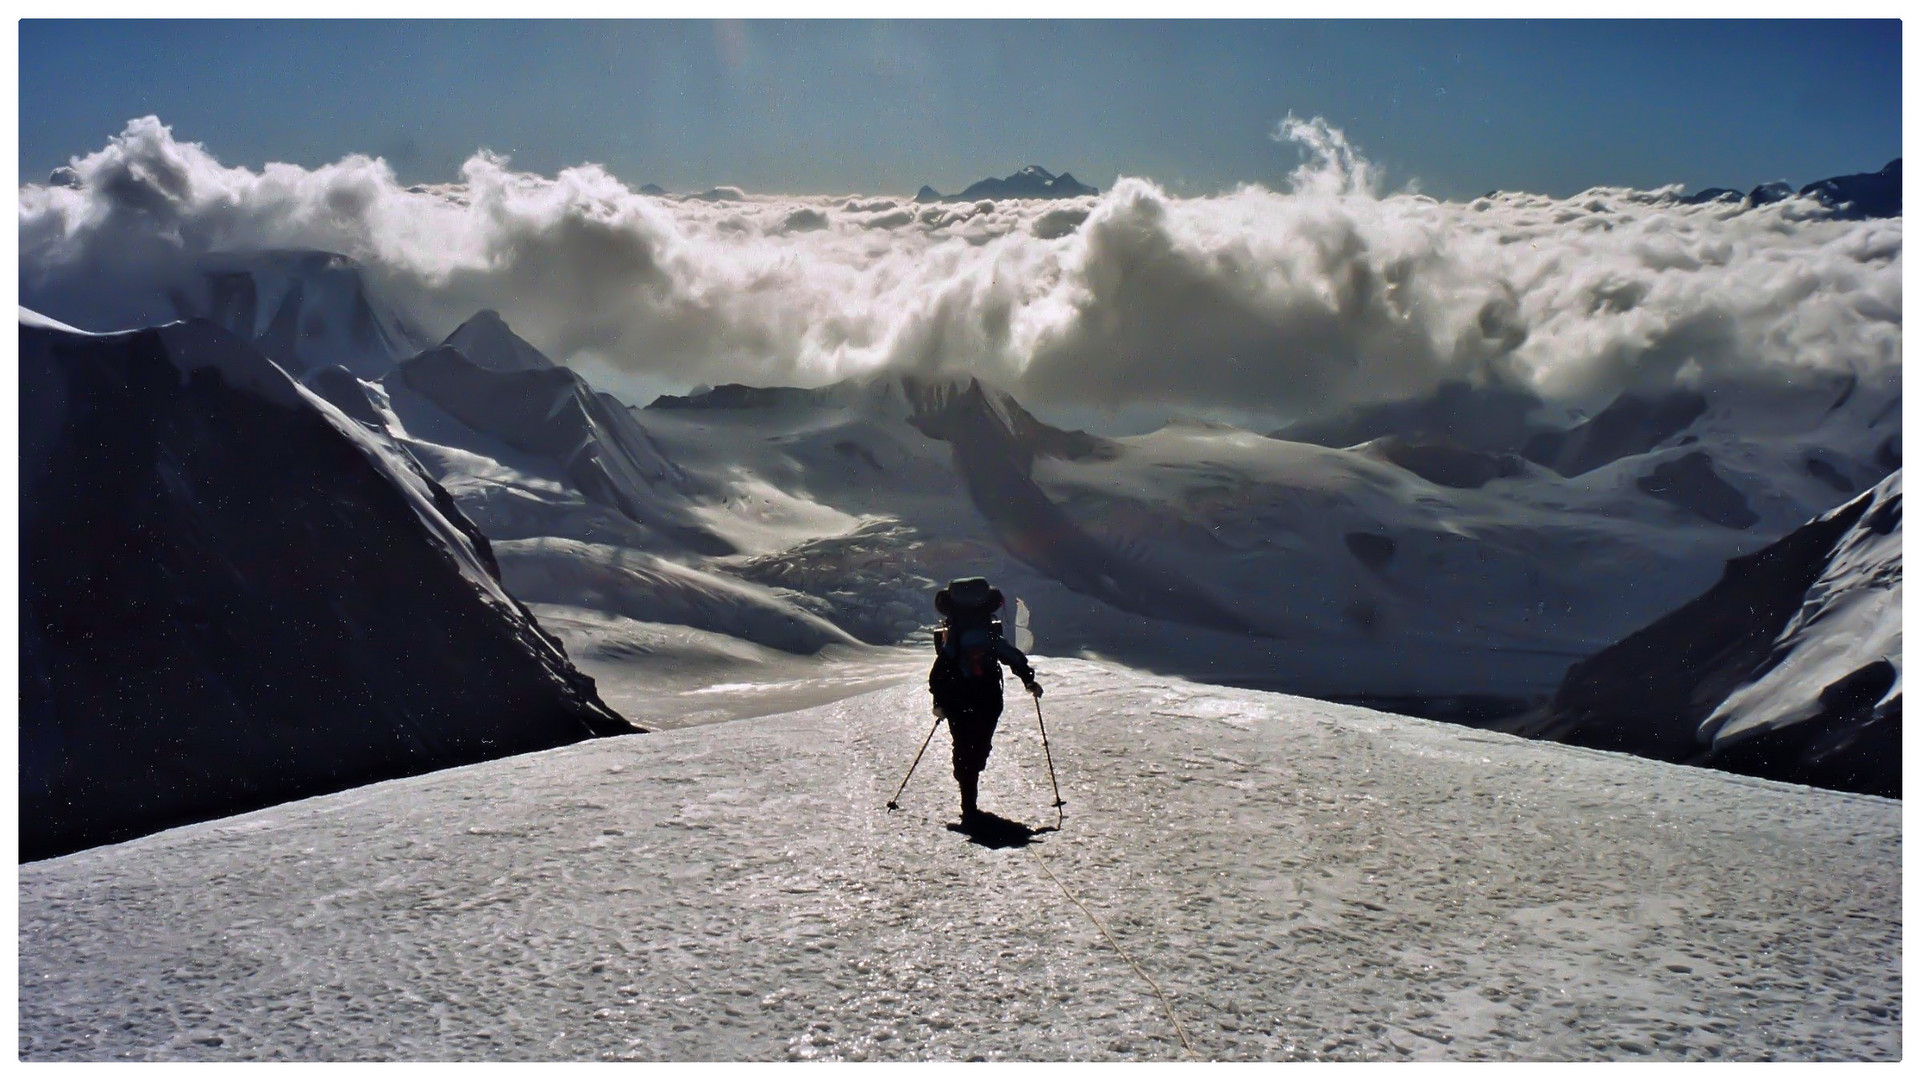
x=1861 y=195
x=1854 y=197
x=1032 y=182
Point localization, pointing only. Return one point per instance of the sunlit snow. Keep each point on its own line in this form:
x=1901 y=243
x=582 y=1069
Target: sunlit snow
x=1303 y=880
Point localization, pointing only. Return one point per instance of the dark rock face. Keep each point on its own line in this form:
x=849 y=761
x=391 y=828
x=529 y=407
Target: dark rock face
x=1631 y=424
x=229 y=601
x=1771 y=192
x=739 y=396
x=1827 y=474
x=1651 y=693
x=1448 y=465
x=1692 y=485
x=1490 y=418
x=1465 y=436
x=233 y=301
x=1036 y=438
x=1846 y=747
x=323 y=315
x=1028 y=435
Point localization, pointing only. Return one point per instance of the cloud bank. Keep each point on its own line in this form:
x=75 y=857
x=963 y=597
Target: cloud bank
x=1295 y=300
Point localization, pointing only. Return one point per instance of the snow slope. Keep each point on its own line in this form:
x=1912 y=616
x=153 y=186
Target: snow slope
x=1454 y=560
x=1216 y=553
x=1849 y=628
x=552 y=413
x=232 y=594
x=1303 y=880
x=584 y=509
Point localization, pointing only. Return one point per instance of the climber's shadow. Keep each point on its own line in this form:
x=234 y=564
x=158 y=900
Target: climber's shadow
x=993 y=831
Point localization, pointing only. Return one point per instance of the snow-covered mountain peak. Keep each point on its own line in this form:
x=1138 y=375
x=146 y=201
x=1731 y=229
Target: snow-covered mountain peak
x=489 y=342
x=594 y=440
x=304 y=309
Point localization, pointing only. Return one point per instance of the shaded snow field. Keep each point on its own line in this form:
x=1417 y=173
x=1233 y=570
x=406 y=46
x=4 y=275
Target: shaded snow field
x=663 y=675
x=1302 y=879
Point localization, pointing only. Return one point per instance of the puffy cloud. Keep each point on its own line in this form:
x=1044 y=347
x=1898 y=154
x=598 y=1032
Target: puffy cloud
x=805 y=219
x=1289 y=301
x=1055 y=224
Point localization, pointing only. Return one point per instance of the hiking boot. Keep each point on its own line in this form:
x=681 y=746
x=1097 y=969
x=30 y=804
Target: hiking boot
x=969 y=797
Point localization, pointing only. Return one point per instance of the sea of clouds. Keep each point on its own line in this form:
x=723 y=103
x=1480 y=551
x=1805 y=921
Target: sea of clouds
x=1295 y=299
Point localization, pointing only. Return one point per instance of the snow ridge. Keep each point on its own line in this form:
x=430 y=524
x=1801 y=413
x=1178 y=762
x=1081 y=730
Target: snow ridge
x=1788 y=667
x=1303 y=880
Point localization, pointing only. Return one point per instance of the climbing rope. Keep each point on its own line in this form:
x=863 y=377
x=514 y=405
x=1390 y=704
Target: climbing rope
x=1178 y=1028
x=1137 y=970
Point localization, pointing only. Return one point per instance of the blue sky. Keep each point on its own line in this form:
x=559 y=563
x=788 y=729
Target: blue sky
x=829 y=107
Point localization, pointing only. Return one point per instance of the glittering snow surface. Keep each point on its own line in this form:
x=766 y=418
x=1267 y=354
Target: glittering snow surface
x=1301 y=879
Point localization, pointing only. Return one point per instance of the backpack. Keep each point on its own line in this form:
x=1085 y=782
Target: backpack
x=969 y=632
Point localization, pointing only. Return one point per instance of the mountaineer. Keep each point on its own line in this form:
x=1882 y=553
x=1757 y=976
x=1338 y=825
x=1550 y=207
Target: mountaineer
x=966 y=679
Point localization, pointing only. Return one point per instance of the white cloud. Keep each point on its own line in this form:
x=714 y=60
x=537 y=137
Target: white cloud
x=1329 y=291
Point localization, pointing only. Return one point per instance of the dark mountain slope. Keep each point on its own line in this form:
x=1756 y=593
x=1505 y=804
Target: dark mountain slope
x=1787 y=668
x=233 y=596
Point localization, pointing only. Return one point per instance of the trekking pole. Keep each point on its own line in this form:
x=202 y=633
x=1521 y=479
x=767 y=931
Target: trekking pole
x=1058 y=802
x=894 y=803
